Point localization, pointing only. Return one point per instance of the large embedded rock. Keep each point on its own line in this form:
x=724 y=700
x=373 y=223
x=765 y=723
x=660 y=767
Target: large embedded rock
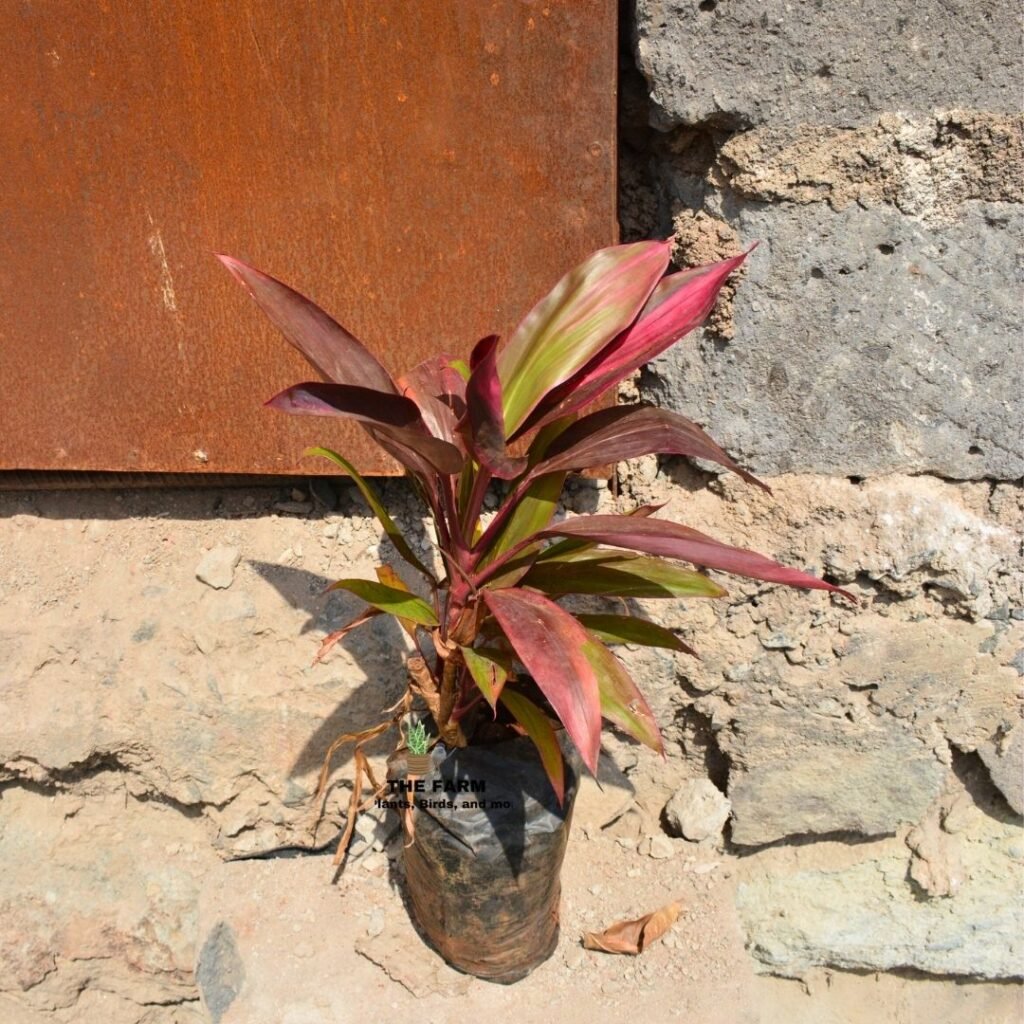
x=748 y=62
x=947 y=898
x=867 y=337
x=868 y=918
x=799 y=773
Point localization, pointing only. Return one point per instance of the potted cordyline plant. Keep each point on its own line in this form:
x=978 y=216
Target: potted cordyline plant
x=513 y=685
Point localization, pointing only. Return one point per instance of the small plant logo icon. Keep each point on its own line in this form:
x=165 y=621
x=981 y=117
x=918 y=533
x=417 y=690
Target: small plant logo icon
x=417 y=759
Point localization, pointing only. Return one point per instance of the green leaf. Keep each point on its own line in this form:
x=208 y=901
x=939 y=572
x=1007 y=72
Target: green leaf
x=536 y=725
x=582 y=313
x=490 y=671
x=373 y=499
x=627 y=629
x=622 y=703
x=390 y=578
x=533 y=513
x=618 y=574
x=399 y=603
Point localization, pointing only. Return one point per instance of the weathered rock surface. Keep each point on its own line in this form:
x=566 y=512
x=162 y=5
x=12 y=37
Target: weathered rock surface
x=793 y=774
x=697 y=811
x=1004 y=758
x=98 y=896
x=868 y=918
x=868 y=338
x=947 y=898
x=746 y=62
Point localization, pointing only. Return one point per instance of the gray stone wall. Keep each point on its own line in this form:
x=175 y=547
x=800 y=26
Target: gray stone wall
x=875 y=152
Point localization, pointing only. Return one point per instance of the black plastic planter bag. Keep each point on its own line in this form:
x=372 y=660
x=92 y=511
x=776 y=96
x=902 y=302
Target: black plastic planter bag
x=483 y=869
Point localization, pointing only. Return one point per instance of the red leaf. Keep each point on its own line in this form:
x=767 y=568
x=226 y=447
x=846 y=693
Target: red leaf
x=484 y=428
x=671 y=540
x=611 y=435
x=325 y=343
x=318 y=399
x=440 y=392
x=536 y=725
x=622 y=703
x=680 y=303
x=550 y=642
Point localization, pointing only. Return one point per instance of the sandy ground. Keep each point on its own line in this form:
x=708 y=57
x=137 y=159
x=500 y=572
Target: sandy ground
x=317 y=953
x=294 y=930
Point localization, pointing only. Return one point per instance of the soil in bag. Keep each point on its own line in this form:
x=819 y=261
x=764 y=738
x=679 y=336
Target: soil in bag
x=483 y=869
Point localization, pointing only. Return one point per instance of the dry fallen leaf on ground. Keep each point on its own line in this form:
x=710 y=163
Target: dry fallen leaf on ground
x=633 y=937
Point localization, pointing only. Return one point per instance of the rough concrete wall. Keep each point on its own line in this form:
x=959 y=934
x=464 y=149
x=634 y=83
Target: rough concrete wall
x=159 y=709
x=875 y=150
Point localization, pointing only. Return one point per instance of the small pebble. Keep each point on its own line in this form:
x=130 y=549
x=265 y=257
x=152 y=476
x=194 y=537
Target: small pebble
x=375 y=925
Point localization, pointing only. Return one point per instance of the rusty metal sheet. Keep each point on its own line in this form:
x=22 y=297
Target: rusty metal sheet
x=423 y=170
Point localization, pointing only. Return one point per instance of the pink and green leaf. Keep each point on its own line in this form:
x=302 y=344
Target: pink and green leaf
x=679 y=304
x=627 y=629
x=622 y=703
x=672 y=540
x=392 y=600
x=589 y=307
x=549 y=642
x=536 y=725
x=325 y=343
x=490 y=670
x=534 y=511
x=617 y=574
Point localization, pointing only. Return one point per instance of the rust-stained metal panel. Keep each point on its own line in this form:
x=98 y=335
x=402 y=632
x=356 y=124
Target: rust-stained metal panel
x=423 y=170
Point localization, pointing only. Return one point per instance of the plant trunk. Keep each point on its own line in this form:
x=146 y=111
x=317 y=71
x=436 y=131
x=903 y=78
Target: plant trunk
x=484 y=874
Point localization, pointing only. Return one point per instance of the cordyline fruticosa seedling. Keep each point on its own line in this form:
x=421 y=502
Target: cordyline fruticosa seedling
x=493 y=644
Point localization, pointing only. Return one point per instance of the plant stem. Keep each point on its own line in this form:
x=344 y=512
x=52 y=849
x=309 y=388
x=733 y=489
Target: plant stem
x=471 y=513
x=495 y=567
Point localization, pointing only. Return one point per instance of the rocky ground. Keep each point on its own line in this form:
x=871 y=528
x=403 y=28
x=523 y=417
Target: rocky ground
x=161 y=716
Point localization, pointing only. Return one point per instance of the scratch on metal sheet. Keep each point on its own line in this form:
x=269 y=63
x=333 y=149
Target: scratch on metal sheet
x=156 y=247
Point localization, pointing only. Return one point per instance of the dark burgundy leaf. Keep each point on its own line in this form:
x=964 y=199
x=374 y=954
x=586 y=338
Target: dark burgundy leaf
x=484 y=427
x=392 y=420
x=318 y=399
x=325 y=343
x=671 y=540
x=611 y=435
